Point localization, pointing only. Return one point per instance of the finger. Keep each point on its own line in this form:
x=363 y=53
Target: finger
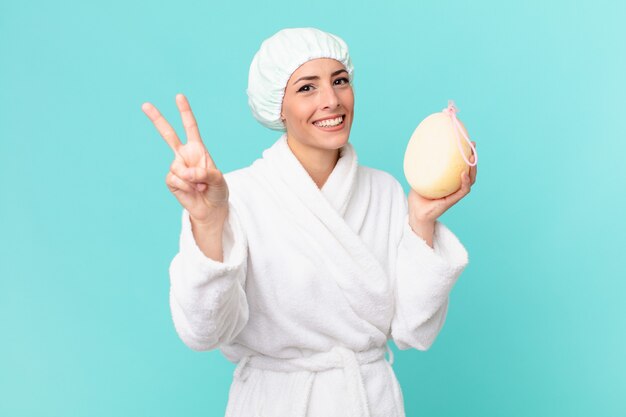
x=179 y=168
x=182 y=171
x=191 y=128
x=195 y=175
x=461 y=192
x=189 y=120
x=208 y=160
x=203 y=175
x=176 y=184
x=473 y=171
x=452 y=199
x=465 y=183
x=164 y=128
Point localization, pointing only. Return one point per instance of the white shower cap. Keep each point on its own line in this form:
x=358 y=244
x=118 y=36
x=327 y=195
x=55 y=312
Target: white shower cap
x=280 y=56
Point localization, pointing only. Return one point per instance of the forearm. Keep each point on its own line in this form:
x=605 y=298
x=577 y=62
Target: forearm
x=424 y=279
x=207 y=296
x=209 y=239
x=425 y=230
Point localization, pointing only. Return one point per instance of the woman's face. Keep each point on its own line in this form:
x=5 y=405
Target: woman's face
x=324 y=93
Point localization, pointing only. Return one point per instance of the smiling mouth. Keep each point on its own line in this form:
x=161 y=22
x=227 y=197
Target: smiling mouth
x=338 y=121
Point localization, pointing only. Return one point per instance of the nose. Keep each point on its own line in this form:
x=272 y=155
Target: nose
x=328 y=98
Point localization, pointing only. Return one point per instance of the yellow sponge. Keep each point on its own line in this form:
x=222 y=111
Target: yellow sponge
x=433 y=162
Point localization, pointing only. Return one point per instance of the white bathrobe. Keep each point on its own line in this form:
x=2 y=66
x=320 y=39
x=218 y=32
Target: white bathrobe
x=313 y=284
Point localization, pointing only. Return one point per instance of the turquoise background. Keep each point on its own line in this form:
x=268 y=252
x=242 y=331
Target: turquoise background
x=536 y=325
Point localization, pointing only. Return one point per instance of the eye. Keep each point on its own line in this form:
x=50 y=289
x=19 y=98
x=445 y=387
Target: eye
x=302 y=89
x=307 y=87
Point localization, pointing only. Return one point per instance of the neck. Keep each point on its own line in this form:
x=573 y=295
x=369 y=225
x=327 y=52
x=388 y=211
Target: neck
x=318 y=163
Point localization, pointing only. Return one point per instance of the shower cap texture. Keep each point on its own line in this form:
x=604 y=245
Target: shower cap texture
x=277 y=58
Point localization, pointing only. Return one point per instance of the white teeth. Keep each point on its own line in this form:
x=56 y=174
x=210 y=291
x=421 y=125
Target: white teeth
x=330 y=122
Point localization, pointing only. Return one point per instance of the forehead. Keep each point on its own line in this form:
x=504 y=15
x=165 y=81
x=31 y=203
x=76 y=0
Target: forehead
x=319 y=66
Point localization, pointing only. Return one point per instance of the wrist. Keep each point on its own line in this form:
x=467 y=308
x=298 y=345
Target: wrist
x=424 y=229
x=422 y=223
x=213 y=226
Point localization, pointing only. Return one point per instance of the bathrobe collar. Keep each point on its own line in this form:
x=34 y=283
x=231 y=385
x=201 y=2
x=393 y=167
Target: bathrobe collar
x=339 y=186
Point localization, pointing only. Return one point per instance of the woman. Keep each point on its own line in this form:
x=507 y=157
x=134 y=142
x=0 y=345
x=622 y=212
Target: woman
x=301 y=266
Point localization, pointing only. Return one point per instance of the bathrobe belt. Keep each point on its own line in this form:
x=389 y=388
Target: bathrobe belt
x=338 y=357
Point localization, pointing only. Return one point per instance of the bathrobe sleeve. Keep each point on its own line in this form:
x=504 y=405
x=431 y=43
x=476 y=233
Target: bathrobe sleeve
x=207 y=298
x=424 y=278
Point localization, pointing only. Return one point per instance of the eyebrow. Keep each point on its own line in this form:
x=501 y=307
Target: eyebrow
x=315 y=77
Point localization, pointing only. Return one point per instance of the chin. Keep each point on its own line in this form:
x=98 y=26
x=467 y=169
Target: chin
x=334 y=142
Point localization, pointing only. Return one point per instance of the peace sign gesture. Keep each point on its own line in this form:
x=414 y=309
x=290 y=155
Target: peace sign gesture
x=193 y=178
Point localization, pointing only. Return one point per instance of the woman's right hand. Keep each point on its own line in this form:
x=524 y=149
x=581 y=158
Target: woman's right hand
x=193 y=178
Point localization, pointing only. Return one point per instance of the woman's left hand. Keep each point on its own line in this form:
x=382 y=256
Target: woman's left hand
x=426 y=211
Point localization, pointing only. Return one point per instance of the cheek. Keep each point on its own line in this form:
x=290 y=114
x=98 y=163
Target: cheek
x=293 y=107
x=304 y=111
x=349 y=99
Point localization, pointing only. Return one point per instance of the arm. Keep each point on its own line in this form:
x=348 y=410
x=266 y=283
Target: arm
x=207 y=297
x=424 y=277
x=425 y=230
x=209 y=239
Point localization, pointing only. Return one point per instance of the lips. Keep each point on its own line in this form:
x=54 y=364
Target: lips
x=330 y=117
x=334 y=128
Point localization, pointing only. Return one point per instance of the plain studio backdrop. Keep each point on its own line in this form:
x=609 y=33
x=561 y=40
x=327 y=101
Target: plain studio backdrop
x=537 y=322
